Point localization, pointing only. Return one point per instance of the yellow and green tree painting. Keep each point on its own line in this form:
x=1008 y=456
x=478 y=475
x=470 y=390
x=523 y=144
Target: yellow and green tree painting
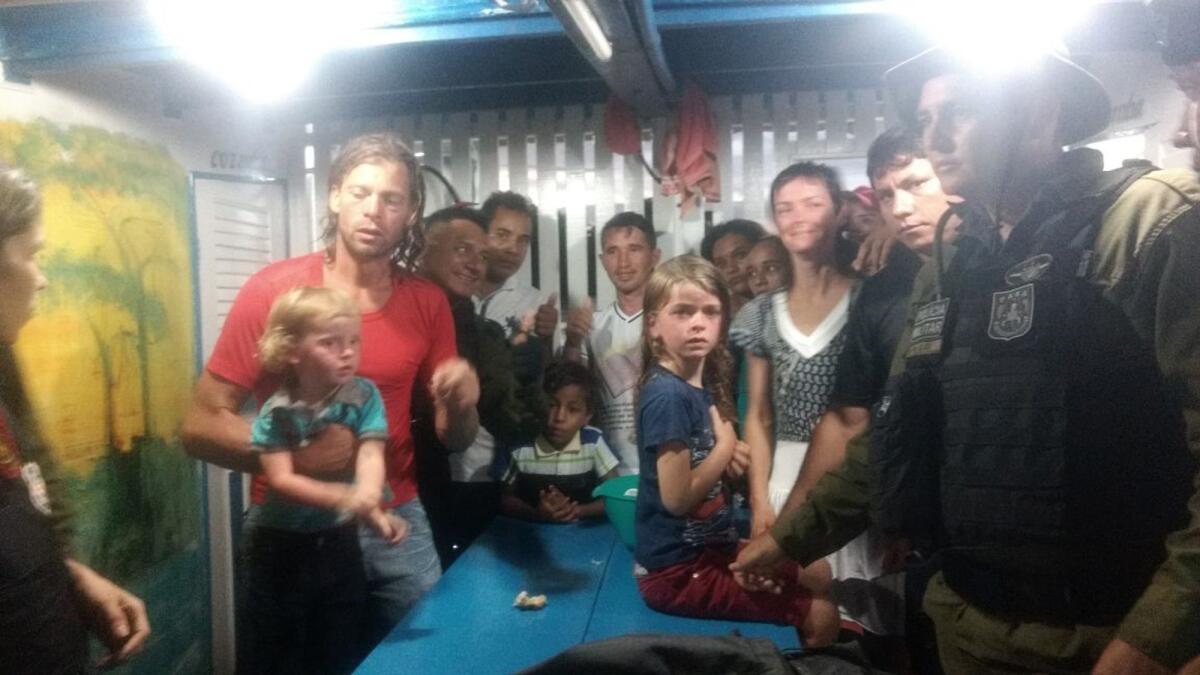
x=108 y=362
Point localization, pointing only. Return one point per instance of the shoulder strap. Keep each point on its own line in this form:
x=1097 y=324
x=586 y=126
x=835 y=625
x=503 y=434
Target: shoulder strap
x=1082 y=222
x=939 y=246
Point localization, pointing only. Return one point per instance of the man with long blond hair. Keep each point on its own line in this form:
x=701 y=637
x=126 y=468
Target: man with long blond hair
x=376 y=197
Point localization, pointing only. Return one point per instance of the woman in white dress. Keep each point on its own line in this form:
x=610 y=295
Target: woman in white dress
x=792 y=339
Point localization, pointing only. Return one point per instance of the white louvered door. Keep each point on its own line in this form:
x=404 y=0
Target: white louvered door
x=241 y=226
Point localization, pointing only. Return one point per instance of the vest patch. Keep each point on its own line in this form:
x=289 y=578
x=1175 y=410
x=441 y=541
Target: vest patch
x=929 y=325
x=1012 y=313
x=1028 y=270
x=1085 y=264
x=884 y=405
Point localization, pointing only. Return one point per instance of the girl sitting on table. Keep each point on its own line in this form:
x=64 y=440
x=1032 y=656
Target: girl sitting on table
x=553 y=478
x=685 y=534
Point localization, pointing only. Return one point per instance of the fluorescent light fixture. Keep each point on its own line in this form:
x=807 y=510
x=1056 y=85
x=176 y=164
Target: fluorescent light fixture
x=264 y=49
x=996 y=35
x=585 y=20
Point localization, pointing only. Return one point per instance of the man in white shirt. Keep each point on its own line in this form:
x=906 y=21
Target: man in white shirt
x=611 y=338
x=501 y=297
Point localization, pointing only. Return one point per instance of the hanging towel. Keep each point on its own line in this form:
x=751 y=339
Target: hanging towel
x=690 y=152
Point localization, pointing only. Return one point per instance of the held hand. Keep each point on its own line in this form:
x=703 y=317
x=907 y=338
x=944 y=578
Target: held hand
x=1123 y=658
x=549 y=501
x=562 y=509
x=874 y=251
x=555 y=506
x=569 y=512
x=739 y=462
x=546 y=319
x=579 y=323
x=755 y=567
x=114 y=614
x=759 y=583
x=330 y=454
x=455 y=385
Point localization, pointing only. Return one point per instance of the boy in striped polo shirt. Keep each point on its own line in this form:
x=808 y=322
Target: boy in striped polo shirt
x=552 y=479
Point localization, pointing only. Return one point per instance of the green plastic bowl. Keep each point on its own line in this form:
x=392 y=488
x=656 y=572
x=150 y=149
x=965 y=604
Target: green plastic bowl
x=620 y=504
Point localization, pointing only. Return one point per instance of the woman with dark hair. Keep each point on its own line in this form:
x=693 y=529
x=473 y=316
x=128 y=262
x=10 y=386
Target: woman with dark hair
x=48 y=602
x=793 y=338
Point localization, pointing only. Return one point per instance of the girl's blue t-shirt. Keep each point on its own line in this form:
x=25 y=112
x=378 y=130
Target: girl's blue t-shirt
x=670 y=409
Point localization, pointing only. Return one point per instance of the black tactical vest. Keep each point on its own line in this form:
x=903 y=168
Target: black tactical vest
x=1049 y=460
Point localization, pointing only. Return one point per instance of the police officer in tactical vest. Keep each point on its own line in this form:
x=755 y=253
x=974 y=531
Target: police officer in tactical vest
x=1042 y=426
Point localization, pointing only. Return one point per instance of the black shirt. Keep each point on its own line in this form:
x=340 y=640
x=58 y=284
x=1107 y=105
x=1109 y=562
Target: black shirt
x=41 y=630
x=872 y=330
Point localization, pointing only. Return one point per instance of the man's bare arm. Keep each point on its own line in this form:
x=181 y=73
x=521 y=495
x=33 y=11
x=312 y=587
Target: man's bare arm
x=214 y=431
x=456 y=429
x=455 y=390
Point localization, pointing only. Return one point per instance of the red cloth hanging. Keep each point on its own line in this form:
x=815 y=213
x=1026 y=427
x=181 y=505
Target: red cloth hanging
x=621 y=131
x=690 y=152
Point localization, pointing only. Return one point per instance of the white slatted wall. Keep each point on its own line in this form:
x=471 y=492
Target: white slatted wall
x=558 y=157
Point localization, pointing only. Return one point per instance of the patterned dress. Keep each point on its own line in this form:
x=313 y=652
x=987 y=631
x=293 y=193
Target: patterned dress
x=802 y=372
x=803 y=367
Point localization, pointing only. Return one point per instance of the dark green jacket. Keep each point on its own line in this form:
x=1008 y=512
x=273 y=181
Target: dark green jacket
x=510 y=397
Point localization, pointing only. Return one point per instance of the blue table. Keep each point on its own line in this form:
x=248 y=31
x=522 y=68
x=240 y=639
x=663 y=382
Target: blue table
x=466 y=623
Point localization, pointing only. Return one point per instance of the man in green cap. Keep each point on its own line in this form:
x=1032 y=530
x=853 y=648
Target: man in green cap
x=1042 y=426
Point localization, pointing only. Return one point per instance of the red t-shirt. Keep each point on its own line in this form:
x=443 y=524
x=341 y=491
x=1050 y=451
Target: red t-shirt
x=402 y=344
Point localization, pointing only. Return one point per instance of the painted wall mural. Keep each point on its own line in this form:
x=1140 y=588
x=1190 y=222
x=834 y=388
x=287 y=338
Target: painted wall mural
x=109 y=363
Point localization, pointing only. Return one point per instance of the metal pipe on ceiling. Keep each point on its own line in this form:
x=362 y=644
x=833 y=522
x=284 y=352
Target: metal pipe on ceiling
x=620 y=40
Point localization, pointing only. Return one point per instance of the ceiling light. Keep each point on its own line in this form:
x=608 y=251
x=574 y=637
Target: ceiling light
x=587 y=24
x=995 y=35
x=264 y=49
